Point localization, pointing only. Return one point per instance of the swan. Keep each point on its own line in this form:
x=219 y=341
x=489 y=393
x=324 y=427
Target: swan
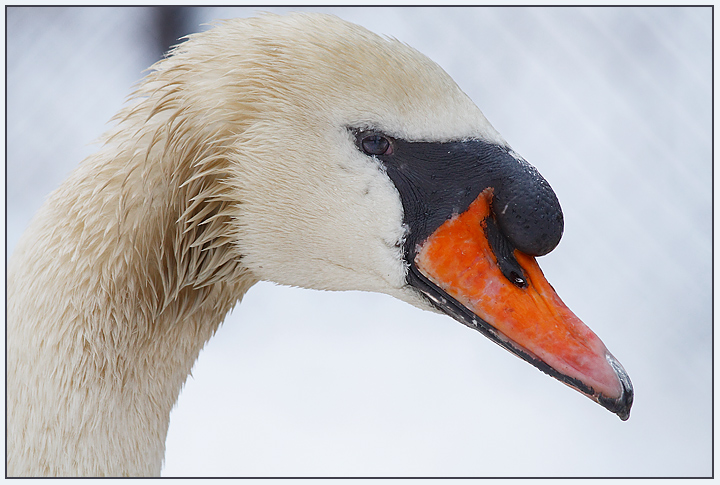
x=298 y=149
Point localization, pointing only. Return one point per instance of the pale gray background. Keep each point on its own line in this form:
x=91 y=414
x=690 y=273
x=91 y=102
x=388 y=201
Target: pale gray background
x=613 y=105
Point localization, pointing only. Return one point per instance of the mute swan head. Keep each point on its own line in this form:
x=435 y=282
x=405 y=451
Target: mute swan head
x=302 y=150
x=316 y=211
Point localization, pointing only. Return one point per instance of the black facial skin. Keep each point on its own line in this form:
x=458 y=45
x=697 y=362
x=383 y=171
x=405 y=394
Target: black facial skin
x=439 y=180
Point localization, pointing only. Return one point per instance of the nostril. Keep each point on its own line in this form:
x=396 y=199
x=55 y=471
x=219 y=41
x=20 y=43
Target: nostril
x=518 y=280
x=503 y=251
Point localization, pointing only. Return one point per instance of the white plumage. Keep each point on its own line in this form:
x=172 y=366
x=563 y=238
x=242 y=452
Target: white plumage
x=233 y=164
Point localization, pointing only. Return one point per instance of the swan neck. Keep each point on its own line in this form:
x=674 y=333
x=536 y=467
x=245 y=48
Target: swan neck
x=112 y=292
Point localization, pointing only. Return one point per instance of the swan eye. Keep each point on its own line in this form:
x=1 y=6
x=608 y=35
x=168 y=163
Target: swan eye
x=376 y=145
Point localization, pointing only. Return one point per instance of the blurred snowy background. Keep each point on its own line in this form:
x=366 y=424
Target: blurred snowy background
x=612 y=105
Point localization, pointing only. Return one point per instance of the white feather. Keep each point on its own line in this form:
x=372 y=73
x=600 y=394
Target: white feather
x=233 y=164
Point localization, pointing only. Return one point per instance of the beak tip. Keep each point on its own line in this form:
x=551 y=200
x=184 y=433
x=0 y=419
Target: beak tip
x=620 y=405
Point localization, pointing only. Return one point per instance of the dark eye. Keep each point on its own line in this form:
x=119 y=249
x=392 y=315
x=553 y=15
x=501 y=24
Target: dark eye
x=376 y=145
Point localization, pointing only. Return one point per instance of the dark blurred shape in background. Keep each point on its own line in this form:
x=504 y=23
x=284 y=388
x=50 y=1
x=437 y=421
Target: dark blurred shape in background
x=172 y=23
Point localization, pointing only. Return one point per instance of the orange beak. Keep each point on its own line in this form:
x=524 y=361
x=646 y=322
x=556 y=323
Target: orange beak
x=525 y=316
